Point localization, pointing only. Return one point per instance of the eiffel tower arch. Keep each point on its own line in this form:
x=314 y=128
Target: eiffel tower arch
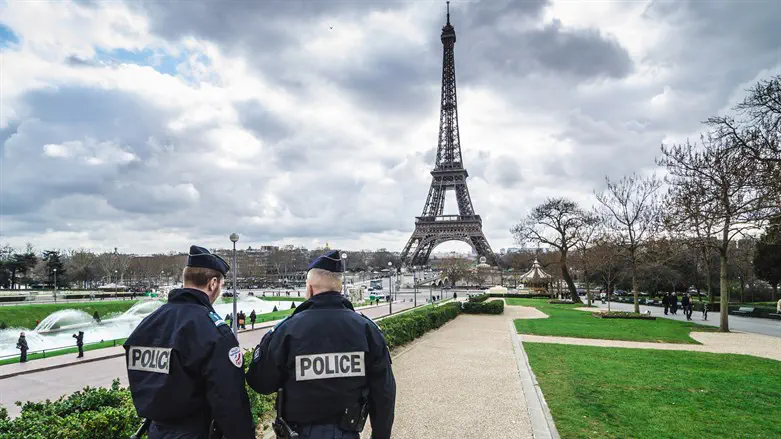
x=432 y=227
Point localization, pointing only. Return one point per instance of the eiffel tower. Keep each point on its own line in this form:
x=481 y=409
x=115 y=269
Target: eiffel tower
x=433 y=228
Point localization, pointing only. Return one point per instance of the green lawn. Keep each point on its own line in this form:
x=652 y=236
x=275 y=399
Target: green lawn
x=73 y=350
x=25 y=316
x=564 y=321
x=281 y=298
x=269 y=316
x=596 y=392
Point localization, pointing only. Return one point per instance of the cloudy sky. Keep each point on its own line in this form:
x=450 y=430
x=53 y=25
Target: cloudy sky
x=151 y=125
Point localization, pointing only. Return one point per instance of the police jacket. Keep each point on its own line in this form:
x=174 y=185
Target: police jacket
x=324 y=355
x=185 y=368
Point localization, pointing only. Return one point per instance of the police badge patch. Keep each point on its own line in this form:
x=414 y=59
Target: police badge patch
x=256 y=355
x=235 y=356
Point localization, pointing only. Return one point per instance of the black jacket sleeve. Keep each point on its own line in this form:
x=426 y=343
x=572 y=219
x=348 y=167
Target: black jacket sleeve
x=382 y=385
x=225 y=391
x=267 y=369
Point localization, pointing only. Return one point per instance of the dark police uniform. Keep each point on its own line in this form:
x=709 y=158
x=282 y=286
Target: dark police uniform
x=185 y=366
x=326 y=357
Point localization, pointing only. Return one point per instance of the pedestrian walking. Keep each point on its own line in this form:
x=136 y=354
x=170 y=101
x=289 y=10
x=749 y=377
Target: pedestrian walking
x=666 y=302
x=685 y=304
x=80 y=343
x=674 y=304
x=185 y=366
x=329 y=365
x=252 y=318
x=21 y=344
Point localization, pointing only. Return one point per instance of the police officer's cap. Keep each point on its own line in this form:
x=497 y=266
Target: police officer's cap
x=331 y=261
x=200 y=257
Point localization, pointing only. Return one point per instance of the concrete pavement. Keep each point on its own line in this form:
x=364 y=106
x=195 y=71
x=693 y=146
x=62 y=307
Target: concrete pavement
x=464 y=380
x=53 y=377
x=736 y=323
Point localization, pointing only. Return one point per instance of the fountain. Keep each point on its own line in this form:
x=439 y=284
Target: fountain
x=64 y=320
x=57 y=329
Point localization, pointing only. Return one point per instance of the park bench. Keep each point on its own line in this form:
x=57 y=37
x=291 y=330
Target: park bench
x=744 y=310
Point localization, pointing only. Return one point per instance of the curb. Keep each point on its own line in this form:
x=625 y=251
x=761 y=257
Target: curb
x=542 y=423
x=60 y=366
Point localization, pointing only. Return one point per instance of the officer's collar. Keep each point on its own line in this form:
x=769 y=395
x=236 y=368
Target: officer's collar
x=189 y=295
x=328 y=299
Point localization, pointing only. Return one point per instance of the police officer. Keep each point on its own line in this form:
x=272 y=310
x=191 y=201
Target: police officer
x=184 y=364
x=331 y=362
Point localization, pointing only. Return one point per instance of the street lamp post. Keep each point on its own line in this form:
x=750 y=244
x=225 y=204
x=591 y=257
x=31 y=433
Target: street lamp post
x=390 y=287
x=116 y=283
x=55 y=285
x=234 y=321
x=344 y=273
x=415 y=286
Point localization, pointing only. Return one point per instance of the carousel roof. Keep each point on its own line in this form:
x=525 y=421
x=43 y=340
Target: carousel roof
x=536 y=273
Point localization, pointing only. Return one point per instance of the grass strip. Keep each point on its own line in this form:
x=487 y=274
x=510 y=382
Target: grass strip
x=596 y=392
x=71 y=350
x=565 y=321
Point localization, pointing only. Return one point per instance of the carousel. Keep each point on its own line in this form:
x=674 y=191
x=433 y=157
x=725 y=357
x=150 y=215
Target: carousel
x=536 y=279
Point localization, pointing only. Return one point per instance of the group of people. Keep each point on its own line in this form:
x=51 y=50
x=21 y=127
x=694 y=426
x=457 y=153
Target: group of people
x=670 y=302
x=241 y=319
x=328 y=364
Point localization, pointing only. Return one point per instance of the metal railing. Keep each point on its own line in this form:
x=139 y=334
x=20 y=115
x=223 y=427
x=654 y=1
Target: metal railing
x=60 y=348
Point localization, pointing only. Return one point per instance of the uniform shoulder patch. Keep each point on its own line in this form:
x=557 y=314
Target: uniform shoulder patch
x=237 y=359
x=218 y=321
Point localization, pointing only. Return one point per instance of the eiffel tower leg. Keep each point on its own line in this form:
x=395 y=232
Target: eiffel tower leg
x=483 y=248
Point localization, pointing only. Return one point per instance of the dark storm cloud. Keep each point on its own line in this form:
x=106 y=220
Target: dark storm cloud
x=260 y=25
x=584 y=53
x=256 y=117
x=398 y=83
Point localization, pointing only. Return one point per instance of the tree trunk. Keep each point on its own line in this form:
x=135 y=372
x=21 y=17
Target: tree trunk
x=634 y=283
x=573 y=292
x=708 y=279
x=588 y=288
x=775 y=291
x=742 y=290
x=724 y=314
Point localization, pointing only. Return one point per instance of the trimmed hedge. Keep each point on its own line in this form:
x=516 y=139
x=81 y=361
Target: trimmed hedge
x=98 y=412
x=622 y=315
x=520 y=296
x=89 y=413
x=480 y=298
x=404 y=328
x=492 y=307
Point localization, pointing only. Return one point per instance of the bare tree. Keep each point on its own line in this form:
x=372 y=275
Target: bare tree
x=455 y=269
x=756 y=132
x=727 y=186
x=608 y=261
x=559 y=223
x=630 y=210
x=588 y=234
x=742 y=255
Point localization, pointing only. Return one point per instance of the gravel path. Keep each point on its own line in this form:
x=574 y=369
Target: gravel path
x=461 y=381
x=730 y=343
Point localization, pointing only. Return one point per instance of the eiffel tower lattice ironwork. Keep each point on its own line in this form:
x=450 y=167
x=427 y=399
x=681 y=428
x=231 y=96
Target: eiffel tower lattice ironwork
x=433 y=228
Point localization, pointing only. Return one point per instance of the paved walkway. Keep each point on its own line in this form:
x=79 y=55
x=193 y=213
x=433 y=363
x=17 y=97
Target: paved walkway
x=736 y=323
x=462 y=381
